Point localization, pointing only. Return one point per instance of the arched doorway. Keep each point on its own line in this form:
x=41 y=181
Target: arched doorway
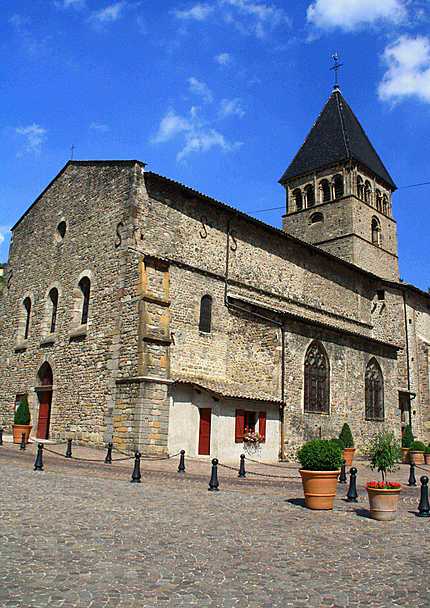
x=44 y=393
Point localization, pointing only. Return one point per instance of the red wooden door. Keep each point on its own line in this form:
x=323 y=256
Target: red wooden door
x=45 y=398
x=205 y=431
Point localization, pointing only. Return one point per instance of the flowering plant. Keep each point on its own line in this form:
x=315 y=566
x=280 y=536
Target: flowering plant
x=251 y=436
x=384 y=485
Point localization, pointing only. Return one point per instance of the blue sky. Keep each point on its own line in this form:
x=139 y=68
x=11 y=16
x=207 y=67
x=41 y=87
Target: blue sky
x=217 y=94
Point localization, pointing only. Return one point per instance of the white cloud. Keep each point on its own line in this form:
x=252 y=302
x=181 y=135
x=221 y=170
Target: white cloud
x=408 y=69
x=100 y=127
x=109 y=14
x=196 y=135
x=201 y=89
x=231 y=107
x=223 y=58
x=34 y=136
x=349 y=15
x=198 y=12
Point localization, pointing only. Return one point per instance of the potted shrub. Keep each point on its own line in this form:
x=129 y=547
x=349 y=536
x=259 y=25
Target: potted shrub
x=416 y=452
x=427 y=454
x=21 y=421
x=321 y=460
x=384 y=452
x=347 y=440
x=407 y=441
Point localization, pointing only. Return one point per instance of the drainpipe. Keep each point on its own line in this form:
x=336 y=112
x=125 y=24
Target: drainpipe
x=262 y=317
x=408 y=370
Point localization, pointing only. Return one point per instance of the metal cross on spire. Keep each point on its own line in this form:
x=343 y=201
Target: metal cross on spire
x=336 y=68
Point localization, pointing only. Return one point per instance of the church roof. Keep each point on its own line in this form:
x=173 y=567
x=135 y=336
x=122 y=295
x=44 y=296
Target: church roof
x=337 y=136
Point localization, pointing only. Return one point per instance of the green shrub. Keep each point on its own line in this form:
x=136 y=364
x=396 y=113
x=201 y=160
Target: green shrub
x=338 y=442
x=418 y=446
x=22 y=414
x=320 y=455
x=408 y=437
x=427 y=450
x=384 y=452
x=346 y=436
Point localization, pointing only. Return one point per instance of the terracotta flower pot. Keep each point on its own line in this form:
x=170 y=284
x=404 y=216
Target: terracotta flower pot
x=405 y=455
x=319 y=488
x=427 y=458
x=416 y=457
x=383 y=503
x=348 y=456
x=19 y=429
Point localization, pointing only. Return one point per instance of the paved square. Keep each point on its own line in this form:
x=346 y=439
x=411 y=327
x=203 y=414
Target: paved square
x=71 y=537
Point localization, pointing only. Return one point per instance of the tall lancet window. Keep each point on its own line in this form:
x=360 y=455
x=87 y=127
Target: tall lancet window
x=325 y=191
x=376 y=232
x=317 y=380
x=374 y=391
x=205 y=321
x=338 y=186
x=310 y=195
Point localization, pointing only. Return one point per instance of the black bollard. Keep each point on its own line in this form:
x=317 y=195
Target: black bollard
x=1 y=435
x=69 y=449
x=181 y=467
x=424 y=506
x=22 y=446
x=412 y=481
x=242 y=472
x=38 y=464
x=352 y=491
x=342 y=476
x=108 y=459
x=136 y=477
x=213 y=483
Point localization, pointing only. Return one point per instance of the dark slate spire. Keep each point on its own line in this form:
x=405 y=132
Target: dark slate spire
x=336 y=137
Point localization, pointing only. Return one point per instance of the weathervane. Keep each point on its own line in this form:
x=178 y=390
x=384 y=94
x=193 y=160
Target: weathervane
x=336 y=68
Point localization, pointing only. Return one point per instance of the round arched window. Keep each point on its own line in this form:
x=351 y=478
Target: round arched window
x=316 y=217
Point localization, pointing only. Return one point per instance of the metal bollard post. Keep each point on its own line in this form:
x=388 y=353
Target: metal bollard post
x=242 y=472
x=412 y=481
x=22 y=445
x=136 y=476
x=424 y=506
x=38 y=464
x=181 y=467
x=1 y=435
x=342 y=476
x=108 y=459
x=213 y=483
x=69 y=449
x=352 y=491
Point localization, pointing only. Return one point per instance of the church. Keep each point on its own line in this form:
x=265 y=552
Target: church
x=139 y=311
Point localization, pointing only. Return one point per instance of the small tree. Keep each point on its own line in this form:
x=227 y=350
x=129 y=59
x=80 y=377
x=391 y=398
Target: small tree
x=384 y=452
x=22 y=414
x=408 y=437
x=346 y=436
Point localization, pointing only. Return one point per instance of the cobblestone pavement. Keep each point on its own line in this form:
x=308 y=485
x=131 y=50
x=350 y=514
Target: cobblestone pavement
x=80 y=535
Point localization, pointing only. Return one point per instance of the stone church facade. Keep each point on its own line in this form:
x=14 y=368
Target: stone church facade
x=138 y=310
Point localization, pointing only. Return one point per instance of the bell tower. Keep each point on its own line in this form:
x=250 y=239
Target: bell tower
x=339 y=193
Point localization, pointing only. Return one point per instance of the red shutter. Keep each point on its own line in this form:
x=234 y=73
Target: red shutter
x=240 y=426
x=262 y=425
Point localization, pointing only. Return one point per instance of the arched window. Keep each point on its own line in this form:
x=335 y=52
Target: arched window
x=325 y=191
x=317 y=380
x=27 y=317
x=374 y=382
x=360 y=187
x=61 y=230
x=85 y=287
x=367 y=192
x=379 y=200
x=53 y=306
x=316 y=217
x=385 y=204
x=338 y=186
x=298 y=199
x=376 y=232
x=205 y=322
x=310 y=195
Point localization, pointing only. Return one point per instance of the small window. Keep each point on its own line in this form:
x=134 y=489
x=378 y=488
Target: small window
x=85 y=287
x=250 y=422
x=376 y=232
x=53 y=302
x=374 y=391
x=61 y=230
x=316 y=217
x=27 y=317
x=380 y=294
x=205 y=322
